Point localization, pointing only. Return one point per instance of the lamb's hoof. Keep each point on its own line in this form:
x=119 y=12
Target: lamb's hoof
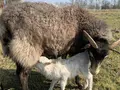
x=80 y=87
x=77 y=79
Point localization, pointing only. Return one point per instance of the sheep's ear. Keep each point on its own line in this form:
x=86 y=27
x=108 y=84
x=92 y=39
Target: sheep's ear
x=90 y=39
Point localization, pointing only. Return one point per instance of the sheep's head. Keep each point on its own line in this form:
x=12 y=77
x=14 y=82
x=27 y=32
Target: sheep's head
x=98 y=54
x=99 y=50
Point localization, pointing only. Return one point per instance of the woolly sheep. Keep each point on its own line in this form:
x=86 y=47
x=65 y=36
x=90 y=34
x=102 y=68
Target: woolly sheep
x=29 y=30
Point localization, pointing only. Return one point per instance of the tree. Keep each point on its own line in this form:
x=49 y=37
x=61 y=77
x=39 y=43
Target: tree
x=91 y=5
x=11 y=1
x=118 y=4
x=81 y=3
x=72 y=1
x=106 y=4
x=114 y=4
x=100 y=4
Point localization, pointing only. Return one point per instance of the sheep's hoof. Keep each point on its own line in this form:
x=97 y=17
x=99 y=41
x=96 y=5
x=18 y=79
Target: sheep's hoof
x=1 y=87
x=80 y=87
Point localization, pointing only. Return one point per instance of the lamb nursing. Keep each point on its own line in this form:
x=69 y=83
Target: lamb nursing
x=61 y=70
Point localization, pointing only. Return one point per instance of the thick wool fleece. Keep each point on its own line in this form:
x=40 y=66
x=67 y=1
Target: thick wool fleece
x=43 y=29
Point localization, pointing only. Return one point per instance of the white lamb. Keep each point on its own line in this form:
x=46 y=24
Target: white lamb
x=61 y=70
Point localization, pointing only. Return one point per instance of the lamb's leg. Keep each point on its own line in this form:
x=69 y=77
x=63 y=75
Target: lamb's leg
x=90 y=81
x=88 y=76
x=52 y=84
x=86 y=84
x=23 y=74
x=63 y=83
x=77 y=79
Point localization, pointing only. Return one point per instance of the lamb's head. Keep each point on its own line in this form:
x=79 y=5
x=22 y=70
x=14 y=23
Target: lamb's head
x=44 y=60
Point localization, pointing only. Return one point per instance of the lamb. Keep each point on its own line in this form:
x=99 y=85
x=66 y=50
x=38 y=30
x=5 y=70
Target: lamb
x=61 y=70
x=29 y=30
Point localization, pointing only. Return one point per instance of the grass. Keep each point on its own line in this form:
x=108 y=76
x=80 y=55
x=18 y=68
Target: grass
x=107 y=79
x=109 y=76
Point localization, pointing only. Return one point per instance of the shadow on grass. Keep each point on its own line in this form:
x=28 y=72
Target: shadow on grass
x=10 y=81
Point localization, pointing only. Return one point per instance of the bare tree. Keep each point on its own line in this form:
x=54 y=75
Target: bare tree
x=72 y=1
x=12 y=1
x=100 y=4
x=118 y=4
x=97 y=4
x=106 y=4
x=81 y=3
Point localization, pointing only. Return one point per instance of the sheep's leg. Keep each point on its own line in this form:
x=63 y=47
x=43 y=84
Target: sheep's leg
x=52 y=84
x=63 y=83
x=90 y=81
x=1 y=87
x=5 y=49
x=23 y=76
x=18 y=69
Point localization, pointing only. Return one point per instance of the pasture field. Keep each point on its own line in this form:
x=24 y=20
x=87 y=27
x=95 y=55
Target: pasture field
x=107 y=79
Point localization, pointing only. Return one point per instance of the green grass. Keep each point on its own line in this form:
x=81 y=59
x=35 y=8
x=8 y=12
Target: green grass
x=112 y=17
x=109 y=76
x=107 y=79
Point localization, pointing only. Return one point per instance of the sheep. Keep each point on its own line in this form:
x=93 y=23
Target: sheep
x=29 y=30
x=61 y=70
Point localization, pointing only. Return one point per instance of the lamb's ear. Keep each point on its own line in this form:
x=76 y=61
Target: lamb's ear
x=87 y=46
x=90 y=39
x=48 y=63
